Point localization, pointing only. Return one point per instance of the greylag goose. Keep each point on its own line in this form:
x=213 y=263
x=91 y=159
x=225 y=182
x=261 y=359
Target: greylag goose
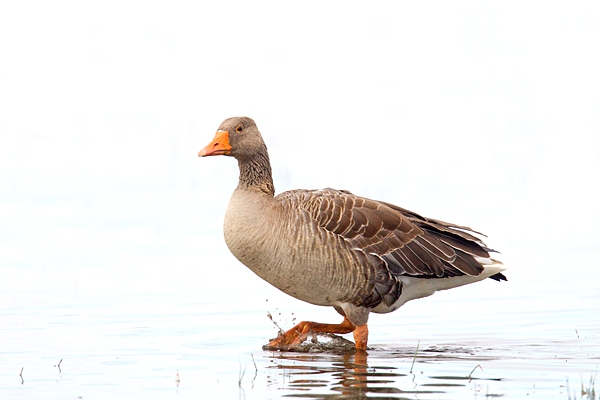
x=332 y=248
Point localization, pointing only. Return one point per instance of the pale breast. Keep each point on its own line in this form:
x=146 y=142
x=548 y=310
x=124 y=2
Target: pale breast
x=285 y=248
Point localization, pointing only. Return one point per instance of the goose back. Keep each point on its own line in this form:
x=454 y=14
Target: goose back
x=391 y=243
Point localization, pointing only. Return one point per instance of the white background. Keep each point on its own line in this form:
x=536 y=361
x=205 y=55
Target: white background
x=485 y=114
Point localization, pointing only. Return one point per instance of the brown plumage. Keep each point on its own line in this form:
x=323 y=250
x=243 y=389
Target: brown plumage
x=331 y=247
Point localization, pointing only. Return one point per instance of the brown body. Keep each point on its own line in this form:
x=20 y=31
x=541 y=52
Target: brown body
x=332 y=248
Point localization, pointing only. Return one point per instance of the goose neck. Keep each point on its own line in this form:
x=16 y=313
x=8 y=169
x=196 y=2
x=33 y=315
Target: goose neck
x=255 y=172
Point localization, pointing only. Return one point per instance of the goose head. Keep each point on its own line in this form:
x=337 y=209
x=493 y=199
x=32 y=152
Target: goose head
x=237 y=137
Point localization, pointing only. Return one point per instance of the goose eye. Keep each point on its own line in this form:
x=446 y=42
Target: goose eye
x=239 y=128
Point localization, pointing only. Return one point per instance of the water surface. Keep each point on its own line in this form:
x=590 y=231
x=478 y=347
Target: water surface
x=179 y=336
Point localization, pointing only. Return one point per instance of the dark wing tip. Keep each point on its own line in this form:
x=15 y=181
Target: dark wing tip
x=498 y=277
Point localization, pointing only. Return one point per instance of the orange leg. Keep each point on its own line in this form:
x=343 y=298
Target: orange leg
x=297 y=334
x=361 y=336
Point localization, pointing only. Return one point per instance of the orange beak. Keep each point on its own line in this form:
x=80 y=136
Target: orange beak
x=219 y=146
